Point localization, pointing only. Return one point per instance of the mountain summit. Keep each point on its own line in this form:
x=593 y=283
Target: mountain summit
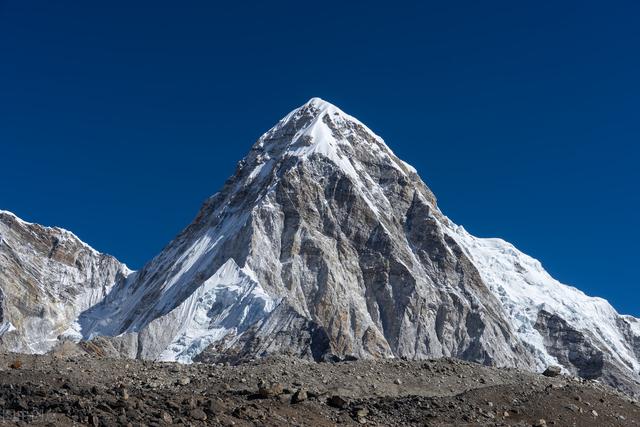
x=324 y=244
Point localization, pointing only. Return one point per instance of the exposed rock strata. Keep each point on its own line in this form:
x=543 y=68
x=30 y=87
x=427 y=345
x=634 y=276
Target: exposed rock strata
x=47 y=278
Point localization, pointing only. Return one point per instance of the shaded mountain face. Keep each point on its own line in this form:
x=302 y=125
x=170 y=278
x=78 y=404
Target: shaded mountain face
x=324 y=244
x=47 y=278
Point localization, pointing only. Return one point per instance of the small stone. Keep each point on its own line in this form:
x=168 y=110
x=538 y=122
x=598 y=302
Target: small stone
x=94 y=420
x=540 y=423
x=398 y=381
x=360 y=412
x=184 y=381
x=131 y=414
x=572 y=407
x=213 y=407
x=299 y=396
x=552 y=371
x=191 y=402
x=594 y=413
x=337 y=401
x=198 y=414
x=266 y=390
x=285 y=397
x=166 y=418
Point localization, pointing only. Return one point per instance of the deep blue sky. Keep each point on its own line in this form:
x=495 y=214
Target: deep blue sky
x=117 y=119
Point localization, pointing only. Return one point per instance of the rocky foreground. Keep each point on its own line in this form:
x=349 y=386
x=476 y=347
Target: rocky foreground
x=76 y=389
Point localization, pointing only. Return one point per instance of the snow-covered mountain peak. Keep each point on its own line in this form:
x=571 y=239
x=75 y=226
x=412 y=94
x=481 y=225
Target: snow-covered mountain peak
x=319 y=104
x=319 y=130
x=326 y=142
x=316 y=126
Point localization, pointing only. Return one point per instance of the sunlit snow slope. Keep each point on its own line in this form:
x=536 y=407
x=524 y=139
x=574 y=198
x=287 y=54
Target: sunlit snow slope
x=587 y=333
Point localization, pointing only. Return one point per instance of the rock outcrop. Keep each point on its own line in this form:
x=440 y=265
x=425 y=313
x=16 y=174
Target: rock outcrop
x=47 y=278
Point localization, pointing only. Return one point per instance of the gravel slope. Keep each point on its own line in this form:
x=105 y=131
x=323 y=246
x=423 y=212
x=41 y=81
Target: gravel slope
x=71 y=387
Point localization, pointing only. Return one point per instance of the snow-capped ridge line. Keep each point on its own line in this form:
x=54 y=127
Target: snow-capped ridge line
x=67 y=233
x=520 y=282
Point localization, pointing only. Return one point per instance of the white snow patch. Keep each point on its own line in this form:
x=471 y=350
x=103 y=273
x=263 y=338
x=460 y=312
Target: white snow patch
x=6 y=327
x=409 y=167
x=634 y=324
x=227 y=303
x=322 y=141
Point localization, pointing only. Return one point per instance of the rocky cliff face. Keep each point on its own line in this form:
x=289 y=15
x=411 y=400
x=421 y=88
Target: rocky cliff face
x=47 y=278
x=324 y=242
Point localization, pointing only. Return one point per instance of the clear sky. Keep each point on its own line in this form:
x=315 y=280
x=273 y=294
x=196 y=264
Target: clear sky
x=118 y=118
